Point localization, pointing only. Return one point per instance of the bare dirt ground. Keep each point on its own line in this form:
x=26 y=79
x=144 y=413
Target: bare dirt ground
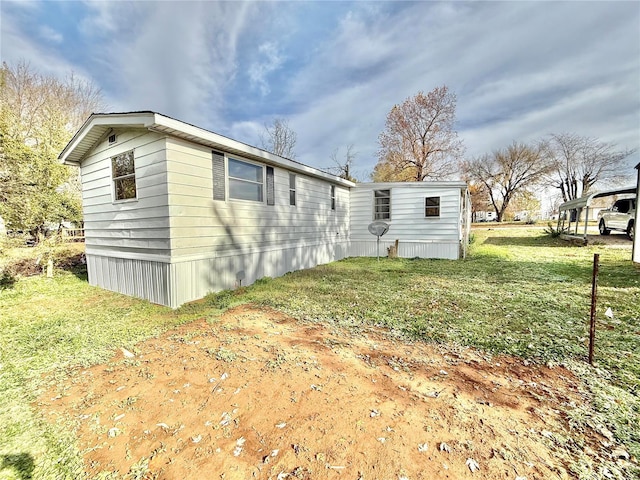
x=260 y=395
x=617 y=239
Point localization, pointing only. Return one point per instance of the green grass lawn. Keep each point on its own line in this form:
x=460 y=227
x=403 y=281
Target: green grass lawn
x=520 y=292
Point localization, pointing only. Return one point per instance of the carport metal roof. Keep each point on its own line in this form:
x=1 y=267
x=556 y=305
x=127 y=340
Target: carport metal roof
x=584 y=203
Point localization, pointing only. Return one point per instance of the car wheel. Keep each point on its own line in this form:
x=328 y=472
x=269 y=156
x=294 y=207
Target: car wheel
x=603 y=229
x=631 y=230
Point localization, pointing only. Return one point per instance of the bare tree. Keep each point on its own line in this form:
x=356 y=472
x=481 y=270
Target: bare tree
x=507 y=173
x=578 y=163
x=343 y=169
x=279 y=138
x=419 y=141
x=479 y=198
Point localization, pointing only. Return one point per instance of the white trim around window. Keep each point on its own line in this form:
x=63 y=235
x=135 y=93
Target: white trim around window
x=246 y=180
x=382 y=204
x=432 y=207
x=123 y=175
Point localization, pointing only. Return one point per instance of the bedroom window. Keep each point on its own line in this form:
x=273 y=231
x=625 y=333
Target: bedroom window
x=432 y=207
x=245 y=180
x=292 y=189
x=382 y=204
x=333 y=197
x=123 y=170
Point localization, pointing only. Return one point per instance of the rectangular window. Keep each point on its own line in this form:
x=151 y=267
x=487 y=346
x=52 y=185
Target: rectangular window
x=124 y=176
x=292 y=189
x=333 y=197
x=245 y=180
x=432 y=207
x=382 y=204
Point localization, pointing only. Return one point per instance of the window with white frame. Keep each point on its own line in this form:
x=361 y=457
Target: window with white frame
x=432 y=207
x=123 y=171
x=333 y=197
x=292 y=189
x=382 y=204
x=246 y=180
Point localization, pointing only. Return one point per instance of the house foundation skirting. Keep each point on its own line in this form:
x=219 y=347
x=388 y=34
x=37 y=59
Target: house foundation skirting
x=173 y=284
x=406 y=249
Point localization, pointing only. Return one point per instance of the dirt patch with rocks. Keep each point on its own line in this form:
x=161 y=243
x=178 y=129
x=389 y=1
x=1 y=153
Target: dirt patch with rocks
x=257 y=394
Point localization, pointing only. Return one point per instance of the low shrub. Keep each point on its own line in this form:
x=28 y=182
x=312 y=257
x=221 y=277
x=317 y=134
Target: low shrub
x=7 y=276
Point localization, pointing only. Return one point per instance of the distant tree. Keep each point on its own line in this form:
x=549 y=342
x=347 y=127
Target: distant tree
x=279 y=138
x=419 y=141
x=524 y=201
x=578 y=163
x=343 y=168
x=38 y=116
x=507 y=173
x=387 y=172
x=479 y=199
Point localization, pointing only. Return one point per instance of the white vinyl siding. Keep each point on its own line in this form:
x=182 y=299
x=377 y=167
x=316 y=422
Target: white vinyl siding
x=435 y=237
x=125 y=227
x=202 y=227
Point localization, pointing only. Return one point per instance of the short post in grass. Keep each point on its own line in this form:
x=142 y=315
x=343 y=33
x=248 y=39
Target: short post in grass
x=594 y=294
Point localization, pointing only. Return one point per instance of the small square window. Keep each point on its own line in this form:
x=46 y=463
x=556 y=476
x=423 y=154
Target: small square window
x=123 y=171
x=432 y=207
x=112 y=138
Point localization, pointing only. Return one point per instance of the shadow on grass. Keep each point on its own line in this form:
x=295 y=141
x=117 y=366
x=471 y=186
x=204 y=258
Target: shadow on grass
x=21 y=463
x=540 y=241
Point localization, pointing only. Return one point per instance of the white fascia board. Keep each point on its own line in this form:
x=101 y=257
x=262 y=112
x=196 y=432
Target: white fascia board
x=81 y=144
x=192 y=133
x=439 y=184
x=82 y=141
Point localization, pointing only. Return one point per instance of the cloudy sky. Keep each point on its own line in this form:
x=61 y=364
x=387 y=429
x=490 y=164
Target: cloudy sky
x=520 y=70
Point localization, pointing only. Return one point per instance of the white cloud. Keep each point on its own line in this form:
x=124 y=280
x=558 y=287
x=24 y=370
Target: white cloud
x=520 y=69
x=271 y=60
x=20 y=46
x=173 y=57
x=48 y=34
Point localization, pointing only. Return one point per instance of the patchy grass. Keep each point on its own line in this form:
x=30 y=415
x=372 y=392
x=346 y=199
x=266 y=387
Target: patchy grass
x=520 y=293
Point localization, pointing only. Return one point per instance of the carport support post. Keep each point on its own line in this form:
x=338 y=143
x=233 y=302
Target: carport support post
x=594 y=293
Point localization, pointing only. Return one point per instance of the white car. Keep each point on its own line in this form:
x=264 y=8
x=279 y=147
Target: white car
x=621 y=216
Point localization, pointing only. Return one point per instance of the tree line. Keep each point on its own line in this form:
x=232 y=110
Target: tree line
x=38 y=116
x=420 y=143
x=40 y=113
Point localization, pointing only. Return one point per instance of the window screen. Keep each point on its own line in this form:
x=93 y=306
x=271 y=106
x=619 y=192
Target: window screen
x=432 y=207
x=292 y=189
x=245 y=180
x=382 y=204
x=124 y=176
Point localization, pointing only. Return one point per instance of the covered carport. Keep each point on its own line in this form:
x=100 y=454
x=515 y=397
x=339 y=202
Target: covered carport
x=571 y=220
